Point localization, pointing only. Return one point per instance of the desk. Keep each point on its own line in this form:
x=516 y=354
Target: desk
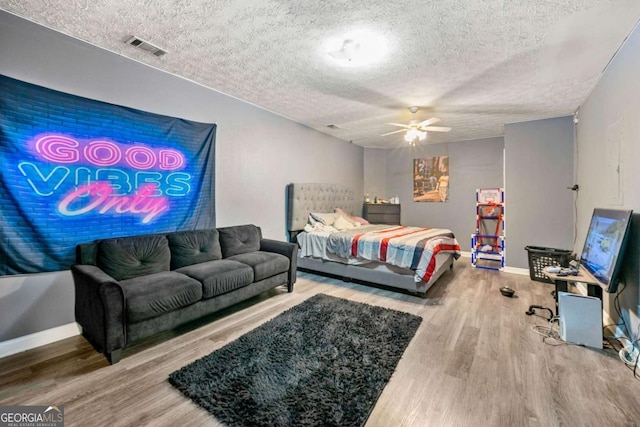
x=594 y=287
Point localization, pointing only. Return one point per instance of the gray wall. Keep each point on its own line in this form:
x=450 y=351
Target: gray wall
x=609 y=129
x=375 y=167
x=257 y=152
x=472 y=164
x=538 y=170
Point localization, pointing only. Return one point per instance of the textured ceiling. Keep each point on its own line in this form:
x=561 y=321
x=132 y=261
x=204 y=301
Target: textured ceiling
x=475 y=64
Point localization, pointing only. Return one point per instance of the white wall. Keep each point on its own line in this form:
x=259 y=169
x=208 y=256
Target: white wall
x=610 y=124
x=257 y=152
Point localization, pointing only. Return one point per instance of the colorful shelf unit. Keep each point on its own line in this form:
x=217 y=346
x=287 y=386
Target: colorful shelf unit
x=488 y=242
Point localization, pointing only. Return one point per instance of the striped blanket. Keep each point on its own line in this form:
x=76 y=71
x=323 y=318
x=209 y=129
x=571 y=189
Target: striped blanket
x=407 y=247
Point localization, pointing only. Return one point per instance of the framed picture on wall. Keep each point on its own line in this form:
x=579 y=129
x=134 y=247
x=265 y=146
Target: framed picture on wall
x=431 y=179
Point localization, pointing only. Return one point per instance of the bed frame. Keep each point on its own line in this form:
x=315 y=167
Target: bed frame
x=303 y=199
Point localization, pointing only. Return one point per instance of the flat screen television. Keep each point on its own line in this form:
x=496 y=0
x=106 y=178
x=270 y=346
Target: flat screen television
x=604 y=245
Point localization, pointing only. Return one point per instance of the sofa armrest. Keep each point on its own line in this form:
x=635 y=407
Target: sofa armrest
x=290 y=250
x=99 y=307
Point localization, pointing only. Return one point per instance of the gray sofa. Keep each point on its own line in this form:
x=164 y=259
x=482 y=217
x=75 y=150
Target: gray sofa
x=130 y=288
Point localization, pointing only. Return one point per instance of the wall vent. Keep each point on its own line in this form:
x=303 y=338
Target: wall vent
x=146 y=46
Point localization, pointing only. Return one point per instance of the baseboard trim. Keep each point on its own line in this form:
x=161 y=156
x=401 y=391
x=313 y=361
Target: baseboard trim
x=517 y=270
x=514 y=270
x=37 y=339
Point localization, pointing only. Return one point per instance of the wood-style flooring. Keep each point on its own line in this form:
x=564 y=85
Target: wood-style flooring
x=474 y=361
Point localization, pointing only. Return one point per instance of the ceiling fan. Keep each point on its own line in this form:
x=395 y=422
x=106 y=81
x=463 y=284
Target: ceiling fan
x=417 y=131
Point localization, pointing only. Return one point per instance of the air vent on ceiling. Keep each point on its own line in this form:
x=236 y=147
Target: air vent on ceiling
x=146 y=46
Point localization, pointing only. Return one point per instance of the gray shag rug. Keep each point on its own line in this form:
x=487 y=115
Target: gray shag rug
x=323 y=362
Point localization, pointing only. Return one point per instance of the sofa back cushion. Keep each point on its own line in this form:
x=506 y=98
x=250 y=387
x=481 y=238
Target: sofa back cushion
x=239 y=239
x=87 y=253
x=194 y=247
x=128 y=257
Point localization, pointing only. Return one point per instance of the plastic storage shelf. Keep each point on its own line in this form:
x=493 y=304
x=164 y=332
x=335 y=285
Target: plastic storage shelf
x=488 y=242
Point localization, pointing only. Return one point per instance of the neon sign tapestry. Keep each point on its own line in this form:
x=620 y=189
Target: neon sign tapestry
x=75 y=170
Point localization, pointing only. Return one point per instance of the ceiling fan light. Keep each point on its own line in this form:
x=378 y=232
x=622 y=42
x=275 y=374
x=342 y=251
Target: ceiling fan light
x=411 y=135
x=414 y=135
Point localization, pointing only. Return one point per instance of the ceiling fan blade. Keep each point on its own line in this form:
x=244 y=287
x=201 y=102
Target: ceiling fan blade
x=436 y=128
x=428 y=122
x=391 y=133
x=400 y=124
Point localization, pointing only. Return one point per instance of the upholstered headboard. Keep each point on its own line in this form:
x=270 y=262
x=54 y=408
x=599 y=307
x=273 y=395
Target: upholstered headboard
x=303 y=199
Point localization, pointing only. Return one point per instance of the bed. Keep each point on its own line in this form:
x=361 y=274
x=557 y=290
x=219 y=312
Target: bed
x=401 y=257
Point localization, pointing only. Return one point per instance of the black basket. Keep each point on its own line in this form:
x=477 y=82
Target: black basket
x=541 y=258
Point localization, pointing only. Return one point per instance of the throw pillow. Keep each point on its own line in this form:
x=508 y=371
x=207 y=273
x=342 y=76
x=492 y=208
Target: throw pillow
x=354 y=219
x=324 y=218
x=342 y=223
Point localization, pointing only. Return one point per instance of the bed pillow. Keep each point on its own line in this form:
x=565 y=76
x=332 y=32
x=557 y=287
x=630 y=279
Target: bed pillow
x=354 y=219
x=342 y=212
x=359 y=220
x=343 y=223
x=346 y=215
x=314 y=220
x=324 y=218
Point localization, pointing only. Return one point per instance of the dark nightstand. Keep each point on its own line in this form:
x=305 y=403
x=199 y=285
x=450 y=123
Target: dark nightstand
x=382 y=213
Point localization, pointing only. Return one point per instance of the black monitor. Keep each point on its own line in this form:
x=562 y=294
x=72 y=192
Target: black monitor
x=604 y=245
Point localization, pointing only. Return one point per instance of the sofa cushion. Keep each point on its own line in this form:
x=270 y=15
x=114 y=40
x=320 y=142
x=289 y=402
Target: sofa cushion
x=219 y=277
x=193 y=247
x=239 y=239
x=264 y=264
x=155 y=294
x=128 y=257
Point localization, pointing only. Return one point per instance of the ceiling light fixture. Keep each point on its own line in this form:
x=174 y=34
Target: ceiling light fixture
x=414 y=135
x=417 y=131
x=357 y=48
x=347 y=52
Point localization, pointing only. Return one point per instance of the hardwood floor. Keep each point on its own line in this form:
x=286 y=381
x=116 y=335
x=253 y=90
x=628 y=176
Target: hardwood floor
x=474 y=362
